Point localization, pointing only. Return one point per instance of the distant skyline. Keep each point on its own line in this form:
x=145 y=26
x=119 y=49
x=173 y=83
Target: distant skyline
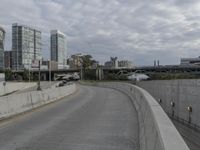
x=136 y=30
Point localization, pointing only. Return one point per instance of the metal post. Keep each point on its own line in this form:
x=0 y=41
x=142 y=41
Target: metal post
x=29 y=74
x=50 y=71
x=39 y=88
x=81 y=71
x=189 y=108
x=172 y=105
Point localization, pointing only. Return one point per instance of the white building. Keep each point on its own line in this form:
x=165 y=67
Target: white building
x=125 y=64
x=59 y=48
x=113 y=63
x=26 y=46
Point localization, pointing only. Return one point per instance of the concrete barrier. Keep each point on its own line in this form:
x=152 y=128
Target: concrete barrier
x=156 y=131
x=19 y=103
x=14 y=86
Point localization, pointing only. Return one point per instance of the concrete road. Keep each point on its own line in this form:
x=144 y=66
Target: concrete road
x=93 y=119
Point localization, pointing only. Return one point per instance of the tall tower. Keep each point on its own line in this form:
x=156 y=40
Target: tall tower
x=2 y=38
x=58 y=48
x=26 y=46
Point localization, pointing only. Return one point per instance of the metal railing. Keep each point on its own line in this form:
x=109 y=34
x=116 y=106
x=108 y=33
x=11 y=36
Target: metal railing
x=184 y=122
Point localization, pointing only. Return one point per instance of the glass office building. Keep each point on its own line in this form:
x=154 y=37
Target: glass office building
x=58 y=48
x=2 y=38
x=26 y=46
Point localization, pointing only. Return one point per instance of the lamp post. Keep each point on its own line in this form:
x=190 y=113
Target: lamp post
x=39 y=88
x=50 y=70
x=29 y=67
x=81 y=69
x=81 y=61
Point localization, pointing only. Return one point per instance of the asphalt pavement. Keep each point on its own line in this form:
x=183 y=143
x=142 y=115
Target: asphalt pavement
x=92 y=119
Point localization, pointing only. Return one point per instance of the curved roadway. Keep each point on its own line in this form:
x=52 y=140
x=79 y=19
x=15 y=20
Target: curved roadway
x=92 y=119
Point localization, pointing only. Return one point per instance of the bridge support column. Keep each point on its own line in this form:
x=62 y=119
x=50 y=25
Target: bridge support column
x=99 y=74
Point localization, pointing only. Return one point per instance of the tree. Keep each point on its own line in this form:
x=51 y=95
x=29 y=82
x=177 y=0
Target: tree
x=8 y=75
x=87 y=61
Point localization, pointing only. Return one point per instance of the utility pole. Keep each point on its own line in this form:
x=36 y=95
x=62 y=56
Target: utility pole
x=81 y=69
x=29 y=74
x=39 y=88
x=50 y=71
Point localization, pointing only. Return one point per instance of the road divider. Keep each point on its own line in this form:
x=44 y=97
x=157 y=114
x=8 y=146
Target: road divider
x=18 y=103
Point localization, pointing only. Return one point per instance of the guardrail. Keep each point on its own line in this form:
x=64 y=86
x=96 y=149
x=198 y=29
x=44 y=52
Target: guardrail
x=156 y=131
x=188 y=124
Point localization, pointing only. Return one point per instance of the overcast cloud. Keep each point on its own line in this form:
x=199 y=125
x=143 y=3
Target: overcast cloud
x=137 y=30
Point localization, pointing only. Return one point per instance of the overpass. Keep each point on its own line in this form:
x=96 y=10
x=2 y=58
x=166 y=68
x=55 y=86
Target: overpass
x=106 y=116
x=101 y=72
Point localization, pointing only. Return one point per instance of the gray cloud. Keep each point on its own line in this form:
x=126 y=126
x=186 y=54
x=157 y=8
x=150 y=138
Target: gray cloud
x=138 y=30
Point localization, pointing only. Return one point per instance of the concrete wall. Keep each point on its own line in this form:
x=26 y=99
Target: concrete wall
x=14 y=86
x=156 y=130
x=18 y=103
x=183 y=93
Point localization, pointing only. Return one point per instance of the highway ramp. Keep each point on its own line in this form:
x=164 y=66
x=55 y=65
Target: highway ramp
x=93 y=119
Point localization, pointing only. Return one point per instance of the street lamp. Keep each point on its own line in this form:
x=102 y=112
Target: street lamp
x=39 y=88
x=50 y=70
x=81 y=60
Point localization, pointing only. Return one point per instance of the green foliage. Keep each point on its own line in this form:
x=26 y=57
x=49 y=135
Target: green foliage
x=25 y=75
x=89 y=74
x=8 y=75
x=112 y=76
x=87 y=61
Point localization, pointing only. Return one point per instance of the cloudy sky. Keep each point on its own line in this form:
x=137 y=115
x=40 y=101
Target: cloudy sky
x=137 y=30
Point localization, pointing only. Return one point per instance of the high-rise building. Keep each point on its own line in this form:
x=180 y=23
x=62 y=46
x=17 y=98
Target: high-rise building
x=2 y=38
x=8 y=59
x=59 y=48
x=26 y=46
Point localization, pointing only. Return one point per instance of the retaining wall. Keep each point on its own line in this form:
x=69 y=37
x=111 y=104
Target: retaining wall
x=19 y=103
x=156 y=131
x=184 y=93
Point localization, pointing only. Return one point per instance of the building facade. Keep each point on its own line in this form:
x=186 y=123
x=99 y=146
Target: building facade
x=113 y=63
x=8 y=59
x=59 y=48
x=125 y=64
x=2 y=40
x=26 y=46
